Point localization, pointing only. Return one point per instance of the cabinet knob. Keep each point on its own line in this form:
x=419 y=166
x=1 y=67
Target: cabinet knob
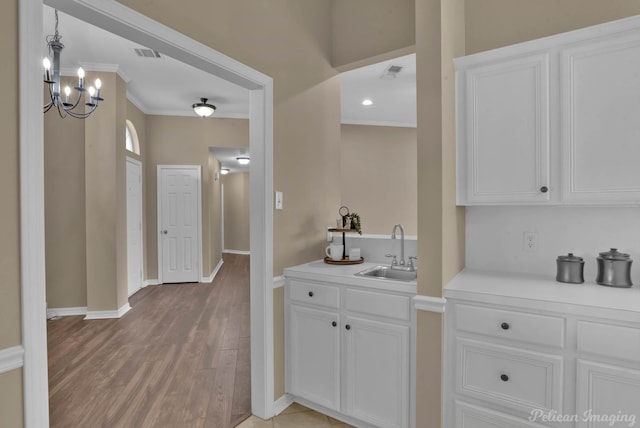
x=310 y=293
x=504 y=377
x=334 y=323
x=505 y=326
x=348 y=327
x=544 y=189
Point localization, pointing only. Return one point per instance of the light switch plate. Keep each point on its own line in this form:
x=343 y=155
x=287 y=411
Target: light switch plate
x=278 y=200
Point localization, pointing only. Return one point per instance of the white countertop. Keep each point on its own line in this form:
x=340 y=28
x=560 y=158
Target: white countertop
x=345 y=274
x=479 y=285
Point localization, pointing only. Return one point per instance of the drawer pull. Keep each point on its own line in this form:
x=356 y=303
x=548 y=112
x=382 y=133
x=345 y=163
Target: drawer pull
x=334 y=323
x=348 y=327
x=310 y=293
x=504 y=377
x=505 y=326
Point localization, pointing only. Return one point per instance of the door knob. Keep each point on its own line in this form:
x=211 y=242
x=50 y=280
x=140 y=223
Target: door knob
x=544 y=189
x=165 y=231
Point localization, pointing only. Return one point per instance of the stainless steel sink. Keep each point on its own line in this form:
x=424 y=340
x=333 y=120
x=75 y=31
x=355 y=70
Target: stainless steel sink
x=385 y=272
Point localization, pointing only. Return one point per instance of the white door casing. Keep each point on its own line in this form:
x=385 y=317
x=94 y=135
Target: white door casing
x=134 y=226
x=179 y=223
x=119 y=19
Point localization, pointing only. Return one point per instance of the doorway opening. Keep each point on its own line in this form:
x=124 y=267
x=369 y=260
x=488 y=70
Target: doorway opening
x=118 y=19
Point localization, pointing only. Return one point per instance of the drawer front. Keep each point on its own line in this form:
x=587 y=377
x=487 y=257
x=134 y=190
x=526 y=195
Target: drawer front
x=470 y=416
x=529 y=328
x=315 y=294
x=385 y=305
x=521 y=380
x=609 y=340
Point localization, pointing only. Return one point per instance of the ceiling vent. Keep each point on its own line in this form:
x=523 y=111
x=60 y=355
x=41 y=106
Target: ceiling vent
x=391 y=72
x=147 y=53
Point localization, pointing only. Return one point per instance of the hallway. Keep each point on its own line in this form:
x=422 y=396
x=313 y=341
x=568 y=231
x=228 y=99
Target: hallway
x=179 y=358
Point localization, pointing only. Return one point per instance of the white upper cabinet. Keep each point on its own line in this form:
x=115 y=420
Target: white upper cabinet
x=554 y=120
x=505 y=138
x=601 y=120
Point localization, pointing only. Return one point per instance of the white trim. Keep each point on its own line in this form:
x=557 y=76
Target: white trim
x=379 y=123
x=32 y=258
x=136 y=102
x=11 y=358
x=159 y=169
x=138 y=164
x=101 y=315
x=246 y=253
x=281 y=404
x=429 y=304
x=148 y=282
x=278 y=282
x=66 y=312
x=119 y=19
x=209 y=279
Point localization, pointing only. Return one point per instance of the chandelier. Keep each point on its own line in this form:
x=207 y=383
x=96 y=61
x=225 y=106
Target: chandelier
x=203 y=109
x=66 y=107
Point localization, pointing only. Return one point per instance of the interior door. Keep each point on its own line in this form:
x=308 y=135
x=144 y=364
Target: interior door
x=134 y=225
x=179 y=205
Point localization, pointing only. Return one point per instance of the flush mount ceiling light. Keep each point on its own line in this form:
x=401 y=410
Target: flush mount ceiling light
x=367 y=102
x=243 y=160
x=66 y=108
x=203 y=109
x=224 y=171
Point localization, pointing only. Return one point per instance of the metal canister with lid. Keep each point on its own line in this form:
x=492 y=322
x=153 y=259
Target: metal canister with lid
x=614 y=269
x=570 y=269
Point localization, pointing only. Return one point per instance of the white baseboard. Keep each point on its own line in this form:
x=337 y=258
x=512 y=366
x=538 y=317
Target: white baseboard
x=213 y=274
x=66 y=312
x=101 y=315
x=430 y=304
x=278 y=281
x=246 y=253
x=282 y=403
x=11 y=358
x=148 y=282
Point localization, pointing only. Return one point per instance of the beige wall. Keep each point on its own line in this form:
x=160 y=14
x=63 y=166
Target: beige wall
x=105 y=198
x=379 y=176
x=236 y=211
x=172 y=140
x=495 y=23
x=10 y=383
x=65 y=231
x=11 y=399
x=215 y=212
x=366 y=29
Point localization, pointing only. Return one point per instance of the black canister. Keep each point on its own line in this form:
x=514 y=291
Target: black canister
x=570 y=269
x=614 y=269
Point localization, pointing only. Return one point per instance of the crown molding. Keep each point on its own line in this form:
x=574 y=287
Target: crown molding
x=379 y=123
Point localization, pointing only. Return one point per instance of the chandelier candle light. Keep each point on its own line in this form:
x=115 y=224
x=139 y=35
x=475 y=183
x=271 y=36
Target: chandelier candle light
x=66 y=108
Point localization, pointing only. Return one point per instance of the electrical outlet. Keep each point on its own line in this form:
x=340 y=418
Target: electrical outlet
x=529 y=241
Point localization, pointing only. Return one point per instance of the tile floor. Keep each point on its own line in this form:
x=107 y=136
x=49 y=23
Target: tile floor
x=295 y=416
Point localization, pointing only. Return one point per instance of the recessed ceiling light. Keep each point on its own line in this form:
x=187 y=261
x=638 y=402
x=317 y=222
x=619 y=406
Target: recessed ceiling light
x=224 y=171
x=242 y=160
x=367 y=102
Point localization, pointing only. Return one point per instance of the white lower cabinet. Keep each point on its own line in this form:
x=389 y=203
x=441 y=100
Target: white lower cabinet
x=315 y=355
x=377 y=372
x=349 y=357
x=514 y=364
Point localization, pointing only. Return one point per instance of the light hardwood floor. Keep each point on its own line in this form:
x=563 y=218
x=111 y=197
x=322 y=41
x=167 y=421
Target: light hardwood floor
x=179 y=358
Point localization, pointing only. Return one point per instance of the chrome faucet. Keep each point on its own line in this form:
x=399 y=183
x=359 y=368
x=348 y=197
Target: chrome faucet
x=393 y=236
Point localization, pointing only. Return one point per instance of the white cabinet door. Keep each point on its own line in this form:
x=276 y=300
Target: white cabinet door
x=605 y=391
x=503 y=132
x=601 y=121
x=377 y=372
x=315 y=355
